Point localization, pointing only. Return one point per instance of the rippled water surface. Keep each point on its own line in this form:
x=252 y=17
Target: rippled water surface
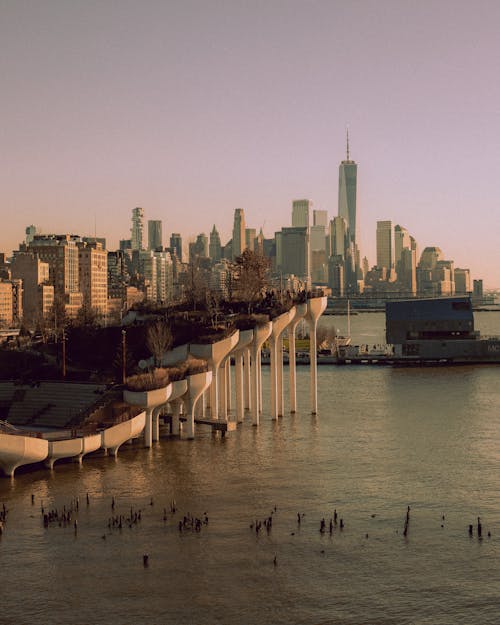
x=383 y=439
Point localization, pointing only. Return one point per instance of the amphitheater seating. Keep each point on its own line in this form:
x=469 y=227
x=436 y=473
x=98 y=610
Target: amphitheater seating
x=51 y=404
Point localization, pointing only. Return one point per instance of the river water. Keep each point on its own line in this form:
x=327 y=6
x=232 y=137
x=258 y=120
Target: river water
x=384 y=439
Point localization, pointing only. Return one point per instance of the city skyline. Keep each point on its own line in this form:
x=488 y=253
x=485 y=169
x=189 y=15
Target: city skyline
x=95 y=126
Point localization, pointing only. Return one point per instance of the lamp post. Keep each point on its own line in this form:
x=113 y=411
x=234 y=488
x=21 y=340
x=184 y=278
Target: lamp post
x=124 y=354
x=63 y=338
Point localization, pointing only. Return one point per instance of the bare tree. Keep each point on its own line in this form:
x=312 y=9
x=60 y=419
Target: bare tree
x=196 y=287
x=213 y=306
x=251 y=276
x=158 y=340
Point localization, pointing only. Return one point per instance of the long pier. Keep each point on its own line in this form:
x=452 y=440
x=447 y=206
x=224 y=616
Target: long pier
x=202 y=399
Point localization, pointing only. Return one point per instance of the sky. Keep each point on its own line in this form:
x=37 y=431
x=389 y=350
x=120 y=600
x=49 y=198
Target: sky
x=193 y=108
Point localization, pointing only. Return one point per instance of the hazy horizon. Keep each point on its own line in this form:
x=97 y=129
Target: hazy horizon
x=193 y=109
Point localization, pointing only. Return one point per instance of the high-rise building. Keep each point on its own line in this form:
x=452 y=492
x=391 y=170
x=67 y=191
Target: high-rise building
x=385 y=245
x=348 y=172
x=477 y=289
x=60 y=251
x=250 y=235
x=199 y=248
x=320 y=218
x=38 y=294
x=214 y=247
x=301 y=211
x=336 y=277
x=407 y=271
x=155 y=240
x=93 y=276
x=11 y=307
x=30 y=233
x=238 y=232
x=462 y=281
x=176 y=245
x=338 y=237
x=136 y=231
x=296 y=253
x=259 y=243
x=402 y=240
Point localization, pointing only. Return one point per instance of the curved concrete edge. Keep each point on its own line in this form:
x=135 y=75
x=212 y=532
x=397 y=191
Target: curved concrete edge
x=16 y=451
x=316 y=307
x=91 y=443
x=244 y=340
x=115 y=436
x=300 y=311
x=214 y=354
x=68 y=448
x=281 y=322
x=148 y=399
x=260 y=334
x=197 y=385
x=179 y=388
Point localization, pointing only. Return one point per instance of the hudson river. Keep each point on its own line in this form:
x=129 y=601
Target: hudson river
x=384 y=439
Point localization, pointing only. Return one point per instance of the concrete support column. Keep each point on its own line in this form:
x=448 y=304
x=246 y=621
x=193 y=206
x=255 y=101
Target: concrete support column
x=280 y=376
x=222 y=393
x=300 y=311
x=276 y=352
x=259 y=374
x=239 y=384
x=247 y=379
x=260 y=334
x=229 y=401
x=156 y=423
x=148 y=428
x=214 y=393
x=176 y=411
x=273 y=376
x=315 y=308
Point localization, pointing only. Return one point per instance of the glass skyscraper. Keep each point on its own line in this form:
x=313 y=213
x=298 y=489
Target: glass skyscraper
x=348 y=171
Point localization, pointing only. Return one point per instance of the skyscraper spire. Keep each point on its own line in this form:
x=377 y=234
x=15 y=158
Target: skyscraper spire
x=347 y=136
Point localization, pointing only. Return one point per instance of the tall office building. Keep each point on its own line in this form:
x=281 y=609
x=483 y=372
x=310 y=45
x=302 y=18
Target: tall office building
x=462 y=281
x=338 y=237
x=136 y=231
x=295 y=253
x=238 y=232
x=198 y=248
x=176 y=245
x=402 y=240
x=407 y=271
x=215 y=247
x=38 y=294
x=155 y=240
x=93 y=276
x=320 y=218
x=11 y=306
x=250 y=235
x=30 y=233
x=385 y=245
x=60 y=251
x=301 y=213
x=348 y=172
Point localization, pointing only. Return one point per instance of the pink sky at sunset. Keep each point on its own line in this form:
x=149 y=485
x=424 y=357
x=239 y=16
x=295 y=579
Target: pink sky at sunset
x=191 y=109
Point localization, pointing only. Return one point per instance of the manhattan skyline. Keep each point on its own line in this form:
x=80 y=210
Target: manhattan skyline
x=192 y=110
